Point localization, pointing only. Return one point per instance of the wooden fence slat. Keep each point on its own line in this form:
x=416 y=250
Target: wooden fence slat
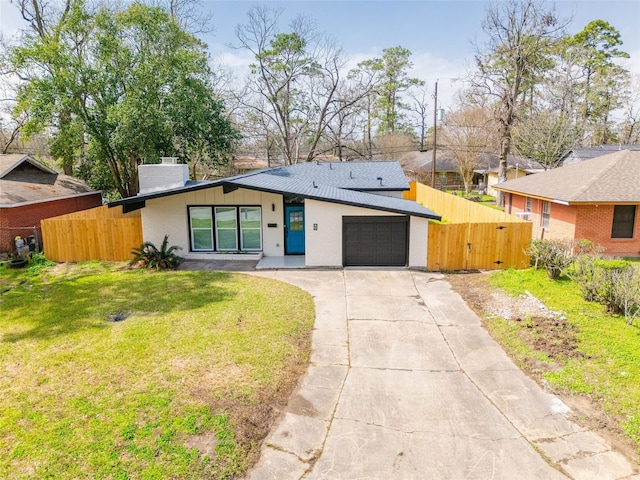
x=96 y=234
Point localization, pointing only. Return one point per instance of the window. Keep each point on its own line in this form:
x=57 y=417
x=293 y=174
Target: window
x=527 y=204
x=201 y=228
x=623 y=221
x=223 y=229
x=546 y=213
x=250 y=228
x=226 y=228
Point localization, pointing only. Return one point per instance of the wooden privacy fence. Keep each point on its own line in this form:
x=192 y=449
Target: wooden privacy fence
x=100 y=233
x=477 y=237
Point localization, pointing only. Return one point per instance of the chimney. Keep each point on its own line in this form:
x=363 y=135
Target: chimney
x=163 y=176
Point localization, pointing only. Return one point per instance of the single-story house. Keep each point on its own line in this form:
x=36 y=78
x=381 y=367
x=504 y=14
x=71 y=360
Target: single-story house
x=335 y=214
x=595 y=199
x=517 y=167
x=485 y=174
x=30 y=191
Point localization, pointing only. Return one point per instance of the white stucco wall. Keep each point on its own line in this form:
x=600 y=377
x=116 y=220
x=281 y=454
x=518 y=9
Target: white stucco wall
x=168 y=215
x=418 y=235
x=323 y=247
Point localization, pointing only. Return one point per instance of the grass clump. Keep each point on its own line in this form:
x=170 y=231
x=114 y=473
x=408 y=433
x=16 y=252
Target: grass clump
x=608 y=366
x=167 y=392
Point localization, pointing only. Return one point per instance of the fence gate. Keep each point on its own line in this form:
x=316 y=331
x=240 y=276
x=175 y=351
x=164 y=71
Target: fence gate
x=478 y=246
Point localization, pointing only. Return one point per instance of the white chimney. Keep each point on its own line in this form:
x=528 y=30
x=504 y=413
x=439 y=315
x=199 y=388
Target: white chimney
x=163 y=176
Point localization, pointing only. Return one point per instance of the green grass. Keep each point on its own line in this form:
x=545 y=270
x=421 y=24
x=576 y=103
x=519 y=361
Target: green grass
x=609 y=371
x=82 y=396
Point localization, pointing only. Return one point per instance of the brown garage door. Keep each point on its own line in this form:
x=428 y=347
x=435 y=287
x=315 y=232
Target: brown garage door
x=375 y=241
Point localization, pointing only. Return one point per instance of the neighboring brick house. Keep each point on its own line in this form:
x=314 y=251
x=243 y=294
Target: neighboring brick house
x=30 y=191
x=596 y=199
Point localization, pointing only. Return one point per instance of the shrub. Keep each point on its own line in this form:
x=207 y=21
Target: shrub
x=149 y=256
x=552 y=255
x=625 y=292
x=614 y=283
x=585 y=273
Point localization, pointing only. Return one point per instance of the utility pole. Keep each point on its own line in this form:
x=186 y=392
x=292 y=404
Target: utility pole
x=435 y=128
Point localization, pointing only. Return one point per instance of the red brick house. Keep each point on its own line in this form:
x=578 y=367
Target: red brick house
x=596 y=199
x=30 y=191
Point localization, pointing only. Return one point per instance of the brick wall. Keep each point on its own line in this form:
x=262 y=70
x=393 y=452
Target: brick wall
x=19 y=221
x=594 y=223
x=562 y=222
x=579 y=222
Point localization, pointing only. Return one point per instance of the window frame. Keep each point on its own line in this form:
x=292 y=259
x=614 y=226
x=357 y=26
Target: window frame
x=528 y=204
x=625 y=227
x=191 y=229
x=546 y=214
x=242 y=229
x=215 y=212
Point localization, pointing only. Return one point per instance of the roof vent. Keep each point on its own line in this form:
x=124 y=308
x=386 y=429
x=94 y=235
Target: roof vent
x=314 y=185
x=350 y=173
x=379 y=179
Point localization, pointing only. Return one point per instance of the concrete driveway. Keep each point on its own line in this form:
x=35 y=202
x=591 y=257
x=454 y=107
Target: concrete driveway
x=404 y=383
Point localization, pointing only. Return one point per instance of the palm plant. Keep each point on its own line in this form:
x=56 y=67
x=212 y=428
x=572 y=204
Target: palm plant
x=149 y=256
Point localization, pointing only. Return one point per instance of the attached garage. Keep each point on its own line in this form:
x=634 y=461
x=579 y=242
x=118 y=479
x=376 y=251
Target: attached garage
x=375 y=241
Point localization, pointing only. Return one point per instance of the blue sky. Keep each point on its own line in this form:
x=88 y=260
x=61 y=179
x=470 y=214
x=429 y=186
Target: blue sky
x=438 y=33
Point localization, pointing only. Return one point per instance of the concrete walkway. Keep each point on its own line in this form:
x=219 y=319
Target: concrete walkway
x=404 y=383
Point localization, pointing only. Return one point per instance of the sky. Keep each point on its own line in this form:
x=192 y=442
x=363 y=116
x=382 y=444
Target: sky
x=438 y=33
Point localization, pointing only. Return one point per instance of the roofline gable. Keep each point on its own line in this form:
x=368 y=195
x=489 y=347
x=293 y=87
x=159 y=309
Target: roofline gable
x=32 y=161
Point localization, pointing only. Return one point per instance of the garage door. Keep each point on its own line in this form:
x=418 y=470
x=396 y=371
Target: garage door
x=374 y=241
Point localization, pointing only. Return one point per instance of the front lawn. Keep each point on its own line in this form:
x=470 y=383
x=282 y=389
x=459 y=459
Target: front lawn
x=605 y=366
x=113 y=373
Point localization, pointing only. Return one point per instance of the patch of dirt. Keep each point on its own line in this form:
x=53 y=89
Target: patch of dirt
x=545 y=331
x=252 y=418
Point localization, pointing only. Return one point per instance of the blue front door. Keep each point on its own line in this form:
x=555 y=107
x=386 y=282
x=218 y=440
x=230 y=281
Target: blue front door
x=294 y=224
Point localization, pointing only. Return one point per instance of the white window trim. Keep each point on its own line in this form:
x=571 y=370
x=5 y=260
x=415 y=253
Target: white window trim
x=546 y=215
x=241 y=229
x=192 y=228
x=238 y=230
x=235 y=229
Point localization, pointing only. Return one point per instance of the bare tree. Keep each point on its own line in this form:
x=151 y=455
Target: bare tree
x=545 y=136
x=297 y=75
x=520 y=36
x=419 y=107
x=630 y=126
x=468 y=133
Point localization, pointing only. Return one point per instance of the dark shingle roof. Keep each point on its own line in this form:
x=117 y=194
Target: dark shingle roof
x=318 y=191
x=609 y=178
x=363 y=176
x=344 y=183
x=25 y=180
x=580 y=154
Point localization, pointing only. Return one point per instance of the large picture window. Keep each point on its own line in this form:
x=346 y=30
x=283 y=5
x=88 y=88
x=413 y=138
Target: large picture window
x=624 y=217
x=225 y=228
